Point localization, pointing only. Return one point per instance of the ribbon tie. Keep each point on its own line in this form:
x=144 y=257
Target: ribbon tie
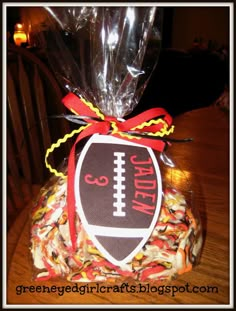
x=147 y=129
x=142 y=129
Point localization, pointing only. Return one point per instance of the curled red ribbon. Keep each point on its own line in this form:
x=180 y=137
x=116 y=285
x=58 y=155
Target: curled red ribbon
x=150 y=124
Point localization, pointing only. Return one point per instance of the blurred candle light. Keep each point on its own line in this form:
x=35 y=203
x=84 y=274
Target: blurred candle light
x=19 y=35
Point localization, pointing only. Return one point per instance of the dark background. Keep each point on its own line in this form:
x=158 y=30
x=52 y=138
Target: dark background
x=193 y=66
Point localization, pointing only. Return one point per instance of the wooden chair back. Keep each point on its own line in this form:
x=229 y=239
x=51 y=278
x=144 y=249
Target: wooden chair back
x=33 y=95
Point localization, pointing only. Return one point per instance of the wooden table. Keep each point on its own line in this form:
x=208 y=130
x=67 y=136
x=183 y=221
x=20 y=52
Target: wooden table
x=205 y=162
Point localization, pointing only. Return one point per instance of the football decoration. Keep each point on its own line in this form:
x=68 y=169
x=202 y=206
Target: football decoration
x=118 y=192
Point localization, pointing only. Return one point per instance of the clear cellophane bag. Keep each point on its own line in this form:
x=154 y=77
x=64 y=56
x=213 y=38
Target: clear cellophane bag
x=105 y=56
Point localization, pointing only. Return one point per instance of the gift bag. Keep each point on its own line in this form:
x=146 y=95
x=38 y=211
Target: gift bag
x=112 y=210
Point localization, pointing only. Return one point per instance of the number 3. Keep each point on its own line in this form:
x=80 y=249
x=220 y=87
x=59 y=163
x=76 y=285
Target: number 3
x=101 y=181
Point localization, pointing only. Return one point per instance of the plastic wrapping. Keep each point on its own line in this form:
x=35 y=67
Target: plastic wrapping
x=105 y=56
x=172 y=249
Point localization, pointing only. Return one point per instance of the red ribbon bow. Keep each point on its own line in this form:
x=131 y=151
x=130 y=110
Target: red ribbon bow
x=143 y=126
